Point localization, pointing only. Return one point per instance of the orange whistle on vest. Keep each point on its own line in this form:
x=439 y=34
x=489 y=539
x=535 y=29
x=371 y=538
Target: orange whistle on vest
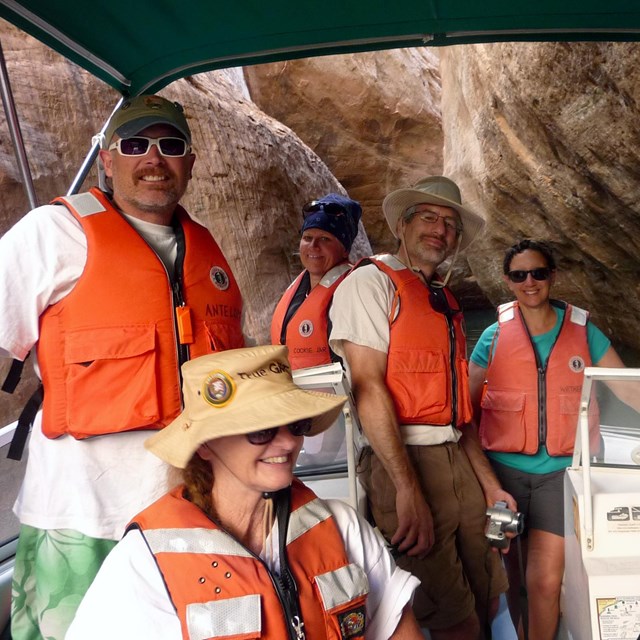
x=185 y=330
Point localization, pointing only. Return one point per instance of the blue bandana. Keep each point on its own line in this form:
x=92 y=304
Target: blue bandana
x=334 y=214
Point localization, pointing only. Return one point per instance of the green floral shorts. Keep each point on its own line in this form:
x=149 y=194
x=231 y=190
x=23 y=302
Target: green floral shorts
x=53 y=570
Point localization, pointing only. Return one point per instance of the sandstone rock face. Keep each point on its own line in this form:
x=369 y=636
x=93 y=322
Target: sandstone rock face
x=252 y=174
x=374 y=119
x=544 y=139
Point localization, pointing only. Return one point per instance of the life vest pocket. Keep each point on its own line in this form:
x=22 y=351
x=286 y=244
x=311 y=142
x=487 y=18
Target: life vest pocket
x=111 y=379
x=221 y=336
x=502 y=426
x=343 y=594
x=561 y=440
x=418 y=382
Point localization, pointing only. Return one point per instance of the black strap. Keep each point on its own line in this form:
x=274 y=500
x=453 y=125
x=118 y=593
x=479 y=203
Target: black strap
x=287 y=581
x=523 y=596
x=13 y=376
x=25 y=422
x=298 y=298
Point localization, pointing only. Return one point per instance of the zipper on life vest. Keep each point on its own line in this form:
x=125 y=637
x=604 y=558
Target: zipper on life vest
x=179 y=305
x=542 y=382
x=182 y=349
x=542 y=387
x=452 y=366
x=542 y=403
x=295 y=627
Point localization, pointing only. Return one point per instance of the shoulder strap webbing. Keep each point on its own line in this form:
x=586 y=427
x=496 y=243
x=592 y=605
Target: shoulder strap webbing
x=13 y=376
x=25 y=422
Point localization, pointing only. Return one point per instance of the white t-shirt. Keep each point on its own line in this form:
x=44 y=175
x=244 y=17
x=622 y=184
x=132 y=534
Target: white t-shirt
x=128 y=598
x=360 y=313
x=96 y=485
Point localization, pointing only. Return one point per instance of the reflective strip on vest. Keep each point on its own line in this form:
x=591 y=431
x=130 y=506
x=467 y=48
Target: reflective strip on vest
x=305 y=518
x=579 y=316
x=194 y=541
x=85 y=204
x=342 y=585
x=222 y=618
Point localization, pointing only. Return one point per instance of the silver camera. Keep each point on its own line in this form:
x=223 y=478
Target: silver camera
x=500 y=521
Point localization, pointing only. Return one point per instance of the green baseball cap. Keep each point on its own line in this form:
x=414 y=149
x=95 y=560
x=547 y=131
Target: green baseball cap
x=136 y=114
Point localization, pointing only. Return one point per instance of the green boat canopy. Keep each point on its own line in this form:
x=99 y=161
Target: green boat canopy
x=139 y=46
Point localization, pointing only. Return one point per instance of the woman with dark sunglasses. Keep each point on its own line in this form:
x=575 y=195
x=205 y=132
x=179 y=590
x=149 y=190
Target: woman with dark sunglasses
x=239 y=548
x=526 y=376
x=301 y=317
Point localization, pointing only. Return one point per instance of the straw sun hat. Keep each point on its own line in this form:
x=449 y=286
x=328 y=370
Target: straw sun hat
x=236 y=392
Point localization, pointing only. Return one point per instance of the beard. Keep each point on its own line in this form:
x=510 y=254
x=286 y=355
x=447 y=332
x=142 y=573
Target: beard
x=146 y=197
x=422 y=253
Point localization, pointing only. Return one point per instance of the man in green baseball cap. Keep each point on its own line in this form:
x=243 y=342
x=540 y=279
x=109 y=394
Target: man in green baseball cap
x=136 y=114
x=115 y=289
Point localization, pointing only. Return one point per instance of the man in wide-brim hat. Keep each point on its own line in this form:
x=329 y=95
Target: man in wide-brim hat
x=400 y=331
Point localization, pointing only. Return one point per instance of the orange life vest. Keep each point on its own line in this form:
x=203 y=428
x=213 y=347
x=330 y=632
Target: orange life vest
x=108 y=351
x=527 y=404
x=427 y=371
x=221 y=590
x=307 y=332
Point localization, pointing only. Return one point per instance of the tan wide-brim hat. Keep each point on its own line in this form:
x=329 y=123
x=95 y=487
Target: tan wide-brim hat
x=432 y=190
x=236 y=392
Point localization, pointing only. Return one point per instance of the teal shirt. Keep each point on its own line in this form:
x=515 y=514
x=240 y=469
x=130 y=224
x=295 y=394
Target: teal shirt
x=540 y=462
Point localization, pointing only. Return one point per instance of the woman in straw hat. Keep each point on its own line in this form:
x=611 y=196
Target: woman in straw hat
x=241 y=549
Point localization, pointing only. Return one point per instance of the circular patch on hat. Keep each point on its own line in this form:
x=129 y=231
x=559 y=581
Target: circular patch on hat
x=576 y=364
x=219 y=278
x=305 y=328
x=218 y=389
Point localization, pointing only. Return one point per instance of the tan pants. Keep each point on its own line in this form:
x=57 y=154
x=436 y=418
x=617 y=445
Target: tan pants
x=461 y=570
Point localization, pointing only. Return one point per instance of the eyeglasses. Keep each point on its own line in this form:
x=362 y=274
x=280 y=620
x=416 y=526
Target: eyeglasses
x=297 y=428
x=431 y=217
x=520 y=275
x=140 y=145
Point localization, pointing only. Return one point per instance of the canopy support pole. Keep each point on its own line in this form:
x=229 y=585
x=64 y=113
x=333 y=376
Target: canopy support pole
x=91 y=157
x=16 y=134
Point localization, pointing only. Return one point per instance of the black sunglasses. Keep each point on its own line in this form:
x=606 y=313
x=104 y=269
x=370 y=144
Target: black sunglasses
x=440 y=303
x=297 y=428
x=330 y=208
x=520 y=275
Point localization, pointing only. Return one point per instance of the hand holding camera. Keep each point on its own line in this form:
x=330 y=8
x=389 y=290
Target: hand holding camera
x=500 y=522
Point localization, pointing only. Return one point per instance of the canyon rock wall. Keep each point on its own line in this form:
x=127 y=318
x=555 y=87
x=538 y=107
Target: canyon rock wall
x=374 y=119
x=544 y=140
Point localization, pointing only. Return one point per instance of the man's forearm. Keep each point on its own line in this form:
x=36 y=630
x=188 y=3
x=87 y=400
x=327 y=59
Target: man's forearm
x=378 y=419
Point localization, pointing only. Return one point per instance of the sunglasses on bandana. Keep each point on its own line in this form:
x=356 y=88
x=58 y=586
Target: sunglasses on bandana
x=297 y=428
x=170 y=147
x=331 y=209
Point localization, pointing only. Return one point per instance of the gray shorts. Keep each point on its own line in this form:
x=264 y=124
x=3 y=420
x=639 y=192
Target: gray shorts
x=540 y=497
